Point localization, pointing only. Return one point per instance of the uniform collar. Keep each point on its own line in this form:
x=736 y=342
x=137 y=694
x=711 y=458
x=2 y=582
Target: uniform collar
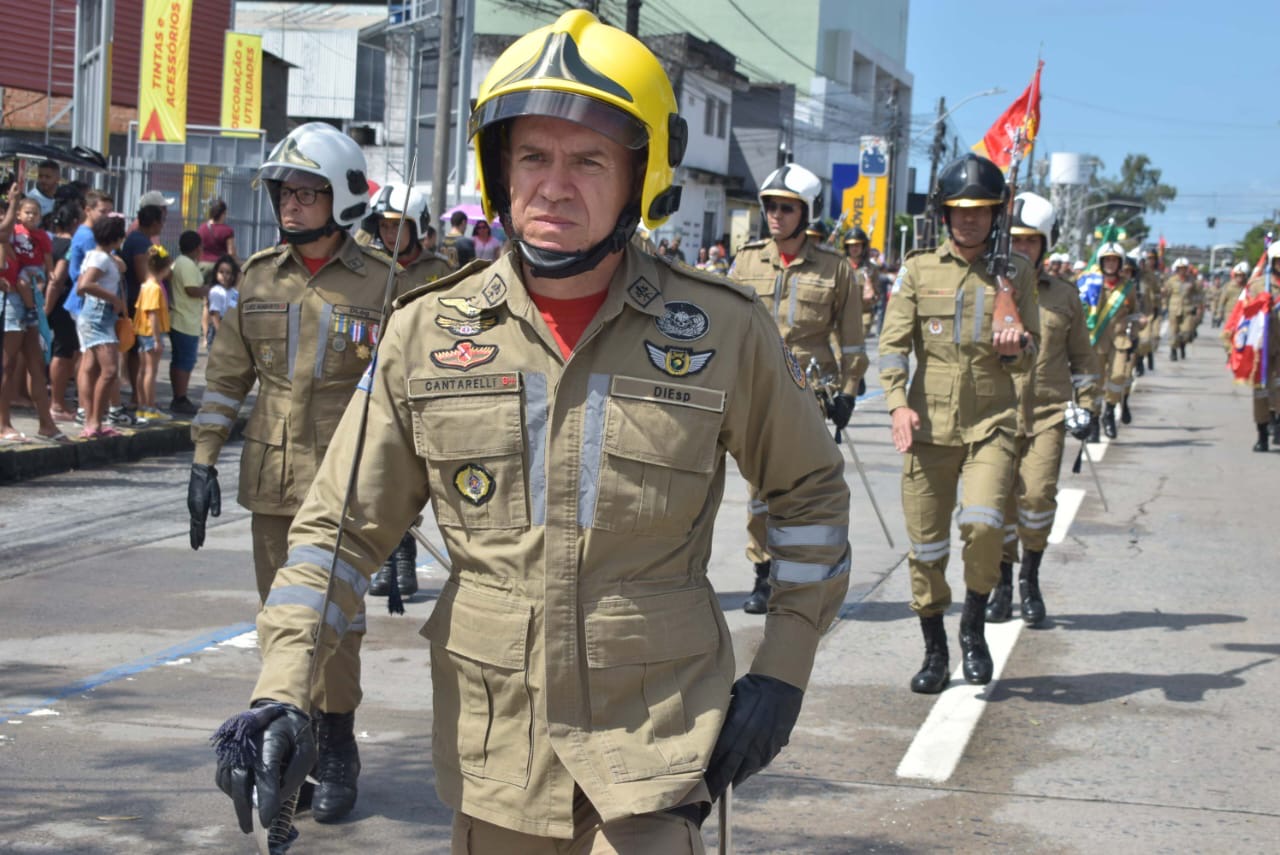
x=636 y=283
x=349 y=253
x=808 y=251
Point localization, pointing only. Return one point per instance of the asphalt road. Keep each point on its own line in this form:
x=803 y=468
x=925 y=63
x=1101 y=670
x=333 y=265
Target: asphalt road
x=1140 y=716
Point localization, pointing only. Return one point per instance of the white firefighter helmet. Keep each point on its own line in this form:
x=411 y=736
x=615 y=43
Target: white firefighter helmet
x=1078 y=266
x=793 y=181
x=1111 y=249
x=1034 y=215
x=321 y=149
x=1241 y=267
x=1181 y=262
x=397 y=201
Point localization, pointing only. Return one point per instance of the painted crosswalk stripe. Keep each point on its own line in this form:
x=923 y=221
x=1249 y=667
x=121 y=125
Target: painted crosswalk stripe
x=940 y=743
x=1068 y=503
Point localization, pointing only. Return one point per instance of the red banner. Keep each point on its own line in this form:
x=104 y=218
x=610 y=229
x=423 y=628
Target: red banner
x=1023 y=113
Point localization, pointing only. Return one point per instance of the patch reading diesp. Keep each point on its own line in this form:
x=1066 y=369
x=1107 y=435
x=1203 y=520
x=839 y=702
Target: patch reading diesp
x=254 y=308
x=466 y=326
x=793 y=367
x=451 y=387
x=463 y=306
x=677 y=361
x=711 y=400
x=464 y=355
x=935 y=326
x=474 y=483
x=683 y=321
x=642 y=292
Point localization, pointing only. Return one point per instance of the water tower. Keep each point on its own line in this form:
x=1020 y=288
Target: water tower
x=1070 y=174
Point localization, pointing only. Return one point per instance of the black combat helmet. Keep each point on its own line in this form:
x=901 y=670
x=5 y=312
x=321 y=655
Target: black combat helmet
x=856 y=235
x=971 y=181
x=818 y=229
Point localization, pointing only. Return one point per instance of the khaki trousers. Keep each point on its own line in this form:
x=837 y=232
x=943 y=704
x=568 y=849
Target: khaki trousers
x=337 y=688
x=1119 y=377
x=1033 y=502
x=646 y=834
x=931 y=475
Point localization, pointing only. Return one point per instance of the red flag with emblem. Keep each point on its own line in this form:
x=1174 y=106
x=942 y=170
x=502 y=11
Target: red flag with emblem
x=997 y=145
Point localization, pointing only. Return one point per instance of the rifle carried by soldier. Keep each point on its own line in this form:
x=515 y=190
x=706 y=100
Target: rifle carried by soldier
x=1006 y=315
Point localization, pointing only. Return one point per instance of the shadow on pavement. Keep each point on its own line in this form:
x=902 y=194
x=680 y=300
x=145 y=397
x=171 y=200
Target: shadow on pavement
x=1121 y=621
x=1080 y=689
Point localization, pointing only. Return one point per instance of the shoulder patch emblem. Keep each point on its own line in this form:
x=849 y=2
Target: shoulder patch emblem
x=678 y=361
x=897 y=280
x=464 y=355
x=683 y=321
x=462 y=305
x=474 y=483
x=494 y=291
x=642 y=292
x=793 y=367
x=935 y=326
x=466 y=327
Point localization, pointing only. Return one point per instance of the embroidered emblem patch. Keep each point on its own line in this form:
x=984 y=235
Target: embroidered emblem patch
x=474 y=483
x=642 y=292
x=266 y=355
x=466 y=327
x=897 y=282
x=683 y=321
x=935 y=326
x=677 y=361
x=464 y=355
x=494 y=291
x=462 y=306
x=793 y=367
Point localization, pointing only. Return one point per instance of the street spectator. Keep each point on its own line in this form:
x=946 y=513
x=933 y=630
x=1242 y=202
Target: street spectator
x=716 y=262
x=150 y=324
x=97 y=205
x=189 y=292
x=153 y=208
x=216 y=237
x=101 y=287
x=429 y=238
x=488 y=247
x=703 y=258
x=458 y=248
x=675 y=252
x=45 y=191
x=222 y=282
x=65 y=349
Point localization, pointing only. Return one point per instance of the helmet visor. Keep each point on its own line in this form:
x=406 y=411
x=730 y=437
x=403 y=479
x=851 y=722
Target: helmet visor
x=623 y=129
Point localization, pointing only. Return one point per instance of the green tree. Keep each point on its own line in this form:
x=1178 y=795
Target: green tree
x=1138 y=187
x=1255 y=240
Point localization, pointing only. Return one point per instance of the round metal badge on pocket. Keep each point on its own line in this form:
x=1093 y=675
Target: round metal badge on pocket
x=339 y=344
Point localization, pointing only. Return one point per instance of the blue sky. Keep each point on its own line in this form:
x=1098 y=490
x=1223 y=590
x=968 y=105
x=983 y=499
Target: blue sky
x=1196 y=86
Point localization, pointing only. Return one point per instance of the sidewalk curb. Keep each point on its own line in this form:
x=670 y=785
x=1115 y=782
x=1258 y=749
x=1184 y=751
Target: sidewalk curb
x=35 y=460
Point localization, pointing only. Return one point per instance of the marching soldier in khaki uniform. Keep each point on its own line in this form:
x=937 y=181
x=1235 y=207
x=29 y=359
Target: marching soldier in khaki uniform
x=1149 y=292
x=865 y=275
x=303 y=332
x=1230 y=292
x=573 y=450
x=1182 y=296
x=811 y=294
x=1066 y=373
x=1108 y=331
x=958 y=417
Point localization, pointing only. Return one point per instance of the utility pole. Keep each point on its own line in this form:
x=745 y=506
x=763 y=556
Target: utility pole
x=895 y=129
x=633 y=17
x=936 y=151
x=444 y=97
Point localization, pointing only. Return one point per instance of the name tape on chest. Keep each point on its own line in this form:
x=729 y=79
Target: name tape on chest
x=711 y=400
x=421 y=388
x=256 y=307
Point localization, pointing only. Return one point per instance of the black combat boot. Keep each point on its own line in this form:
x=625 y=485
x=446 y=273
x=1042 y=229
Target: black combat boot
x=1261 y=444
x=1173 y=353
x=1139 y=368
x=935 y=673
x=1182 y=350
x=1095 y=430
x=1029 y=587
x=1109 y=421
x=973 y=642
x=1151 y=361
x=1001 y=605
x=1125 y=416
x=758 y=602
x=380 y=585
x=337 y=767
x=1275 y=428
x=405 y=558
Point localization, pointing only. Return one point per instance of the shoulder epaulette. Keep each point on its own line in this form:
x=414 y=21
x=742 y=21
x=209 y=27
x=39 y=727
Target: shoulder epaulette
x=822 y=247
x=755 y=244
x=443 y=282
x=375 y=252
x=263 y=254
x=709 y=278
x=916 y=252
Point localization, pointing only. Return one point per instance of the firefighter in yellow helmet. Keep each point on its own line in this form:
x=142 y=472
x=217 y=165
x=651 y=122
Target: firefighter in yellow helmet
x=566 y=409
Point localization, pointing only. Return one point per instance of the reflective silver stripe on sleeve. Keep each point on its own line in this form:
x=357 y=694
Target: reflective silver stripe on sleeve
x=1036 y=516
x=777 y=294
x=360 y=624
x=322 y=339
x=1011 y=536
x=322 y=558
x=981 y=514
x=894 y=360
x=807 y=535
x=295 y=320
x=220 y=400
x=213 y=419
x=955 y=326
x=1275 y=383
x=301 y=595
x=1113 y=387
x=1079 y=381
x=535 y=417
x=799 y=572
x=854 y=348
x=592 y=448
x=978 y=309
x=756 y=507
x=931 y=551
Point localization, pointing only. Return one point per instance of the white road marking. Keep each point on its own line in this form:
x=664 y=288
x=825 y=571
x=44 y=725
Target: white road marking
x=940 y=743
x=245 y=640
x=1068 y=503
x=1098 y=450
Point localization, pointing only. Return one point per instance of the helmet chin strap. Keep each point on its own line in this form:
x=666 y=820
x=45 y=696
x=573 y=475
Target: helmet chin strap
x=552 y=264
x=297 y=238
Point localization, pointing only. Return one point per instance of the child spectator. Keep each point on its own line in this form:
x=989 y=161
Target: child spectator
x=189 y=291
x=30 y=248
x=151 y=324
x=223 y=296
x=101 y=286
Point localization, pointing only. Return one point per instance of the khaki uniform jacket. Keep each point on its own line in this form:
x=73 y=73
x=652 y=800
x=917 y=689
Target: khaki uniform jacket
x=428 y=267
x=1149 y=289
x=577 y=640
x=1227 y=298
x=305 y=340
x=1066 y=361
x=813 y=300
x=1115 y=333
x=1182 y=296
x=940 y=309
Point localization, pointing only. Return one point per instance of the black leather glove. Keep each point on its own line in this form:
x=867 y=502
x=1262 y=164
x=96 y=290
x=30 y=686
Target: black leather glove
x=841 y=409
x=204 y=497
x=270 y=748
x=762 y=712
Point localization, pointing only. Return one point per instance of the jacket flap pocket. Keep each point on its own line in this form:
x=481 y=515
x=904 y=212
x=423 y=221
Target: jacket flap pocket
x=484 y=627
x=664 y=434
x=469 y=426
x=936 y=306
x=264 y=428
x=624 y=631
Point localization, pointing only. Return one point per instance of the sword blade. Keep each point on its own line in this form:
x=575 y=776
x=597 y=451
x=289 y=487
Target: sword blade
x=725 y=815
x=430 y=547
x=1088 y=458
x=866 y=484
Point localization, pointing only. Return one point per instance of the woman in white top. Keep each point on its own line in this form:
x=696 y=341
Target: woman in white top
x=100 y=286
x=488 y=247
